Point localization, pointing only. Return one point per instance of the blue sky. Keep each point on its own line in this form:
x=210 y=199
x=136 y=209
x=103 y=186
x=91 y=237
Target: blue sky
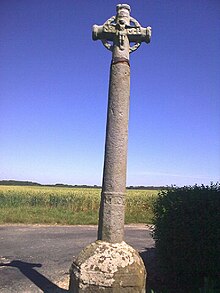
x=54 y=88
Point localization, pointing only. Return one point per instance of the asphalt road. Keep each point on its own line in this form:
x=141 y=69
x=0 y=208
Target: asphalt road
x=36 y=258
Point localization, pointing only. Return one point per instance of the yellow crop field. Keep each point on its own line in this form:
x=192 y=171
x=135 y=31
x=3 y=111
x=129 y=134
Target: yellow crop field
x=60 y=205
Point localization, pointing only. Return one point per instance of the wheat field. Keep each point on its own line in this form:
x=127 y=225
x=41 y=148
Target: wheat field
x=71 y=206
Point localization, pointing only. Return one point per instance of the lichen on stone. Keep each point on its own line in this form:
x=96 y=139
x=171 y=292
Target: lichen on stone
x=104 y=261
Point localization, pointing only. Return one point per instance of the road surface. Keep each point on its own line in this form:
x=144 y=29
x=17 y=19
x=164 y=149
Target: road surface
x=37 y=258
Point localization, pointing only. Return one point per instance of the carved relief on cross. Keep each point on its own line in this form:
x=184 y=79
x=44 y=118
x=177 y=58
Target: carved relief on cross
x=119 y=31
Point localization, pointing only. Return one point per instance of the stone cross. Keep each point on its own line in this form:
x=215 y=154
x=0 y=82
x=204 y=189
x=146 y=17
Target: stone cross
x=116 y=35
x=109 y=265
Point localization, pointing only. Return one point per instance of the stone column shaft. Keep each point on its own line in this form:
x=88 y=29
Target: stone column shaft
x=111 y=218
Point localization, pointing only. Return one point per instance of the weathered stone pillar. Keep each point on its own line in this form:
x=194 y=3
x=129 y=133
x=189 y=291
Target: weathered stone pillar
x=110 y=265
x=111 y=217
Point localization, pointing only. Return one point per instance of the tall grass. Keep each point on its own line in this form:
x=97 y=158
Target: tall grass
x=51 y=205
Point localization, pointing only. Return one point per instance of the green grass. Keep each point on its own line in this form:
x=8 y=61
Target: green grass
x=70 y=206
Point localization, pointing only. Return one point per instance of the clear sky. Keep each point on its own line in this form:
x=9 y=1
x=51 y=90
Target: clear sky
x=54 y=88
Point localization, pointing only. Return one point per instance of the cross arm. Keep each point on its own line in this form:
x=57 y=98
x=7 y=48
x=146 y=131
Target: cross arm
x=100 y=32
x=139 y=34
x=135 y=34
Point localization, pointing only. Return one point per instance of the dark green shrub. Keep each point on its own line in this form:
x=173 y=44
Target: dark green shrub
x=187 y=233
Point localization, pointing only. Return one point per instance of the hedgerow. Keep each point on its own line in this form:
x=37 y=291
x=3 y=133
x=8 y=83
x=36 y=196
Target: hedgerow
x=187 y=233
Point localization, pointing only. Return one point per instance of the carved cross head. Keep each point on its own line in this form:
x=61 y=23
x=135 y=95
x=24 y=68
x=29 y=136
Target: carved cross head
x=121 y=30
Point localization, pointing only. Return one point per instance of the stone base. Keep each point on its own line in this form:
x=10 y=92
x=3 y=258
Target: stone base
x=108 y=267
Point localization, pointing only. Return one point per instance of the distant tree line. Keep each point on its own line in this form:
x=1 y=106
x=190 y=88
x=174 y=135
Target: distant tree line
x=30 y=183
x=19 y=183
x=147 y=187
